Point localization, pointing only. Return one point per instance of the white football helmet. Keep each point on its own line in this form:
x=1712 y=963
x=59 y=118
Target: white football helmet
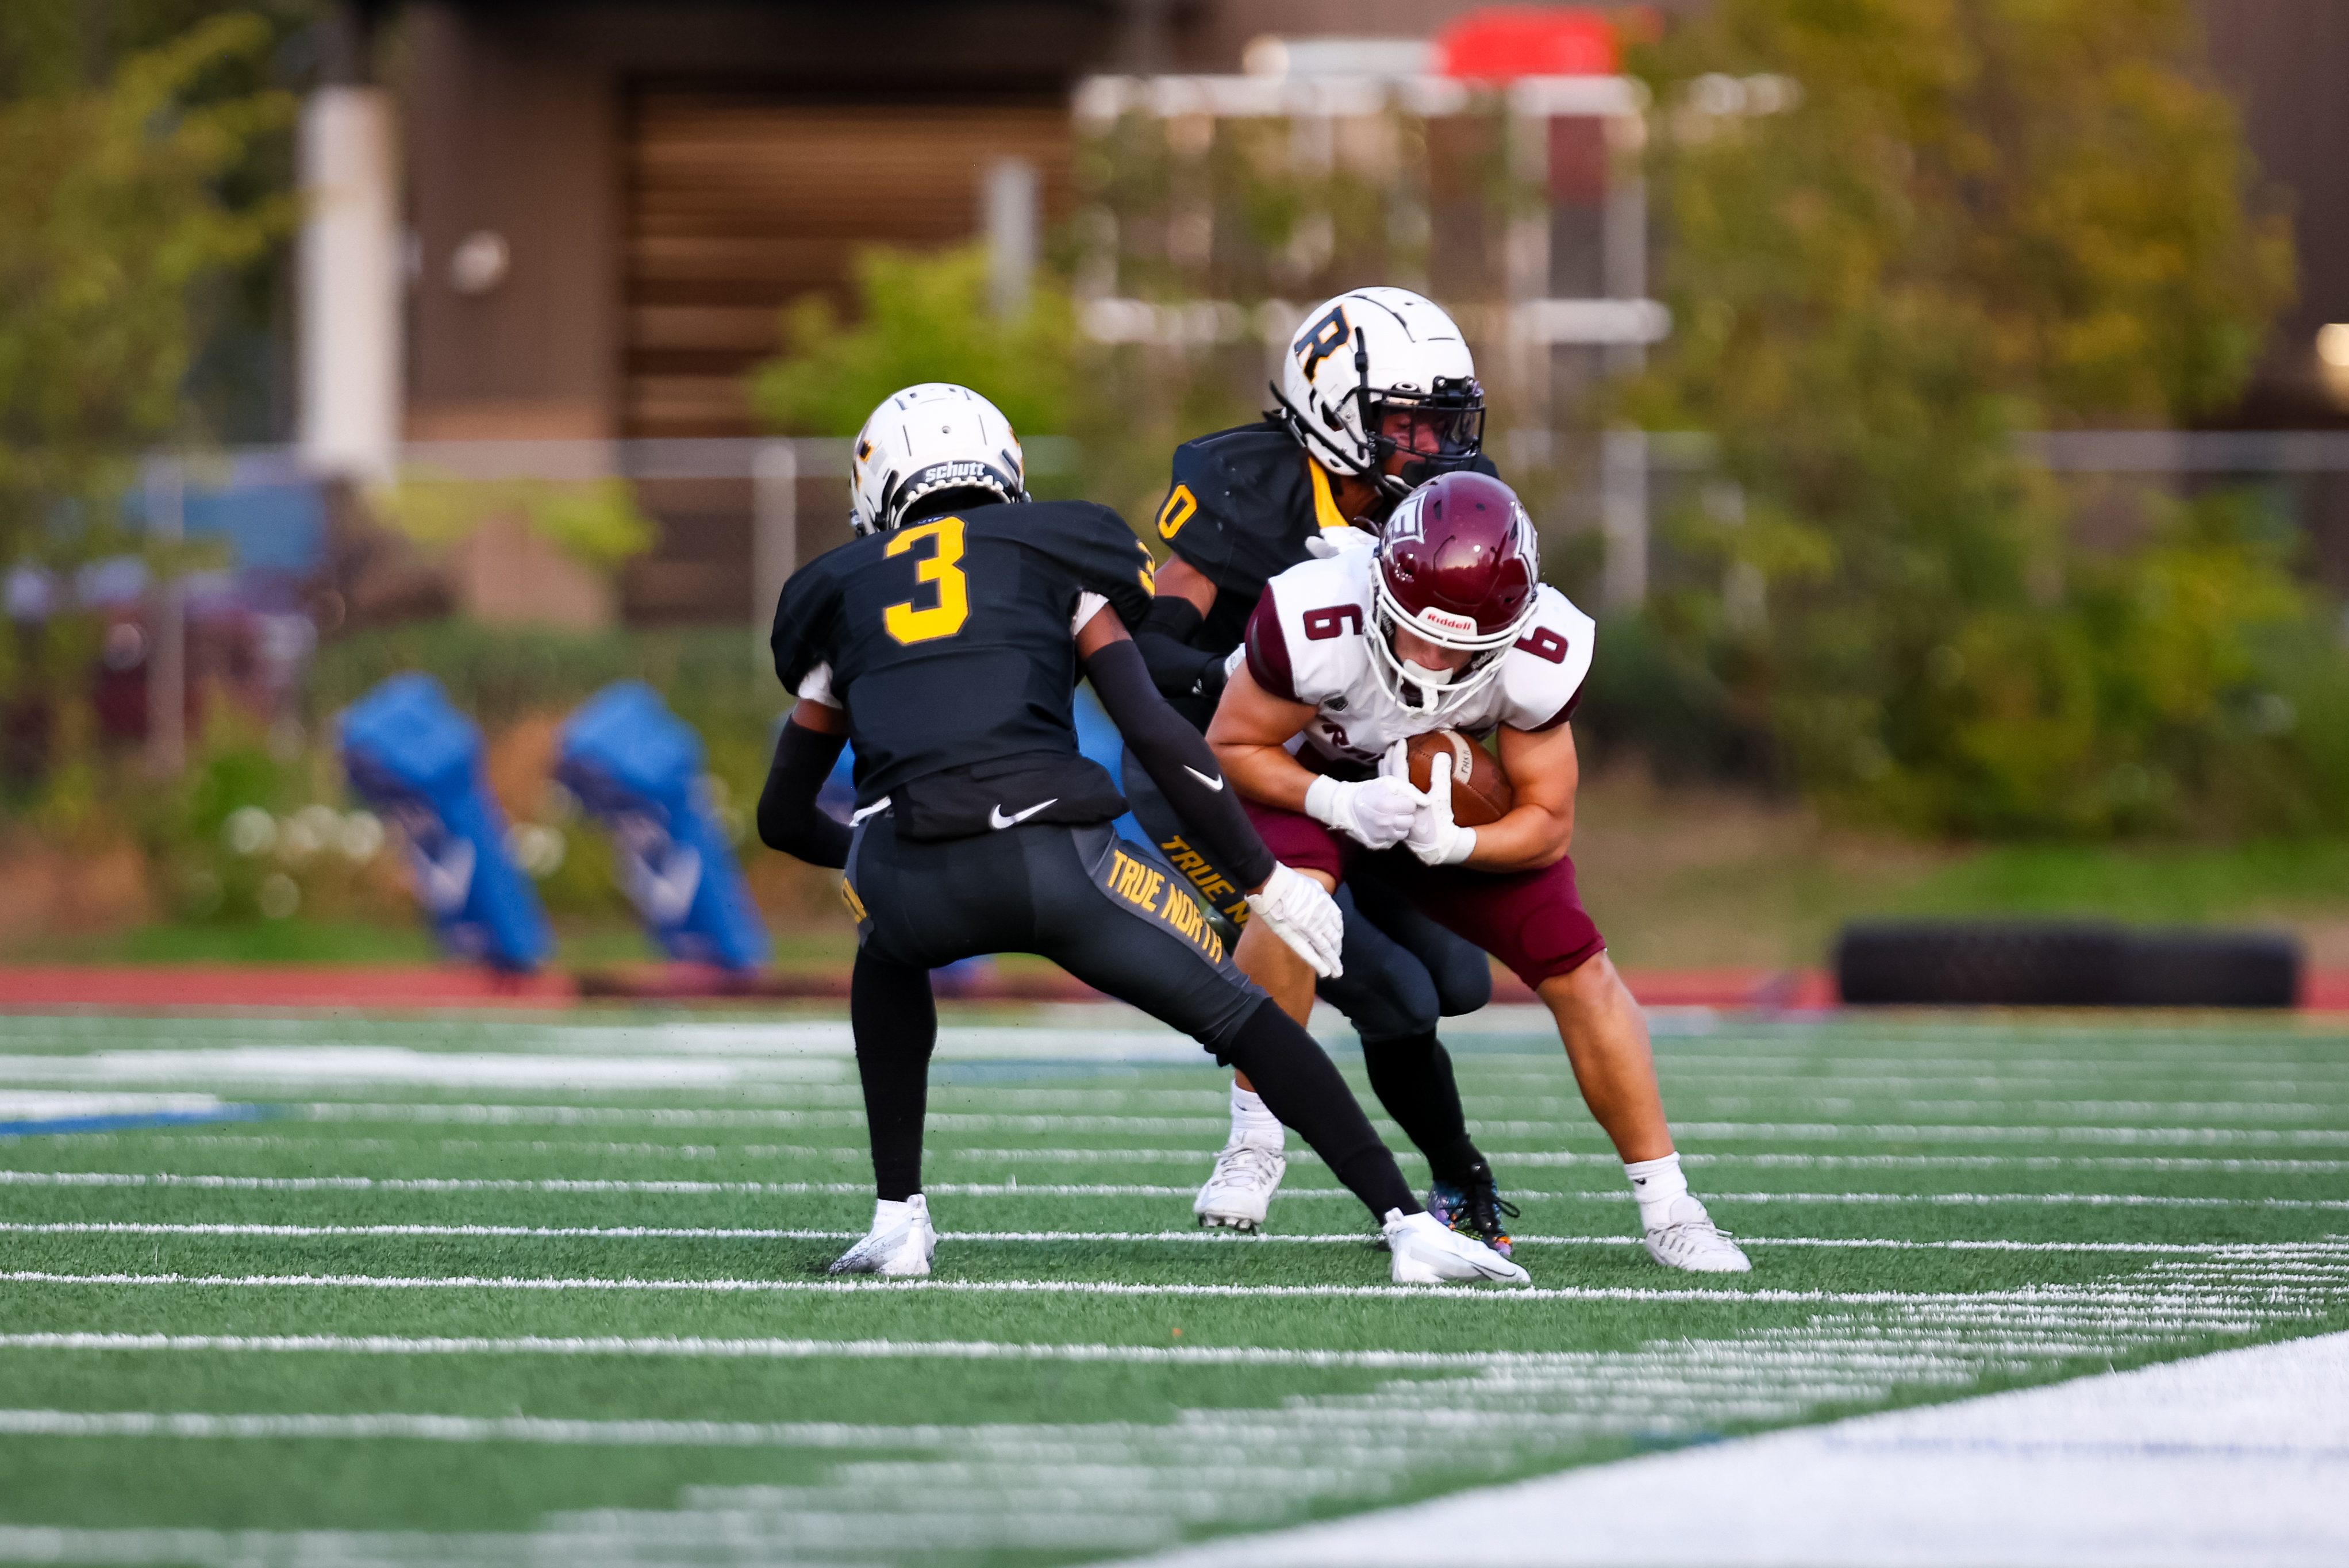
x=930 y=436
x=1369 y=353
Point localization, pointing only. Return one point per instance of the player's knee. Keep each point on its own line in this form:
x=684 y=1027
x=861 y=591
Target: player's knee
x=1384 y=1002
x=1410 y=1053
x=1463 y=981
x=1594 y=983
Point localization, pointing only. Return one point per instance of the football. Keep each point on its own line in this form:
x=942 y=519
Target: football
x=1480 y=790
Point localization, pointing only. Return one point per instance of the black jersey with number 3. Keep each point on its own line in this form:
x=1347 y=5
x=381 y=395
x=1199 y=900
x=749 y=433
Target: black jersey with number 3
x=949 y=646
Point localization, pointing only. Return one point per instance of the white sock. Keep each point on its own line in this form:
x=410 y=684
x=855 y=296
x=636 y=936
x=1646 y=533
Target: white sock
x=887 y=1212
x=1658 y=1184
x=1253 y=1123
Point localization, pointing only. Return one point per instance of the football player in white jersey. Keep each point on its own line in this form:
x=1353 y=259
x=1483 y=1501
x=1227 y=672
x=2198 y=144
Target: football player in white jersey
x=1447 y=624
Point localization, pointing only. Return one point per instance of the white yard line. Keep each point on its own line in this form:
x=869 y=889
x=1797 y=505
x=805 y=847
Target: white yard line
x=2237 y=1459
x=424 y=1428
x=2206 y=1305
x=1047 y=1122
x=1506 y=1160
x=842 y=1105
x=601 y=1115
x=1203 y=1237
x=1037 y=1485
x=1007 y=1189
x=789 y=1350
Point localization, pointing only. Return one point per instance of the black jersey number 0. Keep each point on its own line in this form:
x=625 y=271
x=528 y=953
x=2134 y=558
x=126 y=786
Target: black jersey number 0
x=909 y=622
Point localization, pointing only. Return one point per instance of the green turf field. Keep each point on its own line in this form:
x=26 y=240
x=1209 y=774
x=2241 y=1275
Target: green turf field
x=511 y=1292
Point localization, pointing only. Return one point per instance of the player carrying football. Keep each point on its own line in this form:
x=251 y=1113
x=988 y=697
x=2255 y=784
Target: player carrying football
x=1447 y=625
x=1378 y=394
x=946 y=642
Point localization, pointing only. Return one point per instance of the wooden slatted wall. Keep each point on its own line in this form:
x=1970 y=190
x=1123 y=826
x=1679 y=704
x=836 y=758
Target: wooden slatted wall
x=739 y=205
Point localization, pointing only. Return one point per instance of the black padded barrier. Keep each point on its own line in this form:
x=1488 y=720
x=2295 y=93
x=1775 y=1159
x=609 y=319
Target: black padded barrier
x=2062 y=963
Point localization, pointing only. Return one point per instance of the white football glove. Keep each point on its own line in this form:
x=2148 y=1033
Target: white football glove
x=1434 y=838
x=1303 y=915
x=1377 y=812
x=1331 y=542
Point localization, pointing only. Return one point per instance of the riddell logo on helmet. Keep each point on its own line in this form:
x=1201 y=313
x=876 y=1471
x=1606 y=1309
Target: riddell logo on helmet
x=1444 y=620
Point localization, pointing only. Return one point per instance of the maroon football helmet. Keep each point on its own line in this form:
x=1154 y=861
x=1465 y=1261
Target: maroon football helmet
x=1458 y=565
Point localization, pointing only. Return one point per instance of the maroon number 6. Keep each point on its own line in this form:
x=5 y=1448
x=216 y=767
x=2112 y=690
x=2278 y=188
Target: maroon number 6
x=1322 y=625
x=1544 y=644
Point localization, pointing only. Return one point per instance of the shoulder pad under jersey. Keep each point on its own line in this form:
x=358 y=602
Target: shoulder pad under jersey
x=1239 y=507
x=805 y=614
x=1306 y=640
x=1543 y=673
x=1088 y=539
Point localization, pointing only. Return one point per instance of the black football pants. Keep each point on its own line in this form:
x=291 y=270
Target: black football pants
x=1402 y=972
x=1112 y=914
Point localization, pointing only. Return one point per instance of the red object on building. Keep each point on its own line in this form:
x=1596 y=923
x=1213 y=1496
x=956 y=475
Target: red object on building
x=1503 y=43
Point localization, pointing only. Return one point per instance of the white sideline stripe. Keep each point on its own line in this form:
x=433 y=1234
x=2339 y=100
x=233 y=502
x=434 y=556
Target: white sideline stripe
x=1013 y=1189
x=2200 y=1301
x=2218 y=1462
x=1207 y=1237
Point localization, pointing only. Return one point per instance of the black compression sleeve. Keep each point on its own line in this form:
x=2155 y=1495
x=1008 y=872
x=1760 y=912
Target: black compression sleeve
x=1178 y=762
x=896 y=1027
x=788 y=817
x=1165 y=638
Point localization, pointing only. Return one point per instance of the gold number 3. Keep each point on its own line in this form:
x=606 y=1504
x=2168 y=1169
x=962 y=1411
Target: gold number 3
x=905 y=622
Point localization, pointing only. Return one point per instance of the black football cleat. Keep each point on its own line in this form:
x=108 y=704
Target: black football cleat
x=1474 y=1207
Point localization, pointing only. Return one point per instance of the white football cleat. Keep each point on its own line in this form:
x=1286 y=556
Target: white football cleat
x=1239 y=1190
x=1691 y=1241
x=900 y=1244
x=1425 y=1253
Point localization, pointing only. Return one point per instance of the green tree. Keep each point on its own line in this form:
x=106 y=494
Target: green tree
x=111 y=216
x=921 y=318
x=1899 y=232
x=125 y=191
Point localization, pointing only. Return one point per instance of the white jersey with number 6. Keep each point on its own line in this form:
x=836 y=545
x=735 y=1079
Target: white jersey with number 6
x=1308 y=641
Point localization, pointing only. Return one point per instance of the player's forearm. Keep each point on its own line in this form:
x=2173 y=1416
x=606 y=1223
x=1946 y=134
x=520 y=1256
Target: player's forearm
x=1266 y=775
x=789 y=819
x=1527 y=839
x=1178 y=762
x=1177 y=667
x=1250 y=735
x=1538 y=830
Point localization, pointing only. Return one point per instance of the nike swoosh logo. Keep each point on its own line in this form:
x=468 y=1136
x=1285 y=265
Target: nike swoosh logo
x=1211 y=784
x=997 y=819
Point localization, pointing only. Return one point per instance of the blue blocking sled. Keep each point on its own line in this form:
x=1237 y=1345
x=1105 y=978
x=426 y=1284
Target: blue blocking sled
x=418 y=760
x=638 y=769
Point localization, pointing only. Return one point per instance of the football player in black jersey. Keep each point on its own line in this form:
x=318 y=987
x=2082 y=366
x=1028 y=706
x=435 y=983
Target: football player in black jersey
x=1378 y=395
x=946 y=642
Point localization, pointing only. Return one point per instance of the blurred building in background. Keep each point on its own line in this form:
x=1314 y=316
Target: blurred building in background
x=580 y=222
